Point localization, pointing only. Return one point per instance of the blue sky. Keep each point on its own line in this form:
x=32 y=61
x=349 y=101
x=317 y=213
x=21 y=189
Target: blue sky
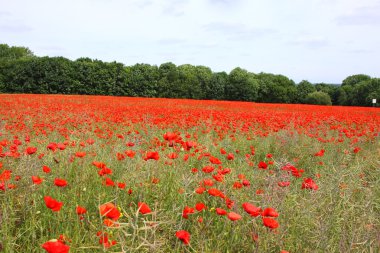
x=316 y=40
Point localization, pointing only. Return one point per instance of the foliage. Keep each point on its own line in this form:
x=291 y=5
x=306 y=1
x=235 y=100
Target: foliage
x=275 y=88
x=318 y=98
x=303 y=89
x=242 y=86
x=355 y=79
x=22 y=72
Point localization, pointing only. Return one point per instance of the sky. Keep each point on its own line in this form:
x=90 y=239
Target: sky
x=314 y=40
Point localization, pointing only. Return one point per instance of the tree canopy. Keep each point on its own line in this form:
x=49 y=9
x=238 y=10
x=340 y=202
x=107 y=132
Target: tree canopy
x=23 y=72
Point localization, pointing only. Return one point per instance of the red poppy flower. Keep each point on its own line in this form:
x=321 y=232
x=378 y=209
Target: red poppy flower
x=200 y=190
x=99 y=165
x=130 y=153
x=200 y=206
x=55 y=246
x=152 y=155
x=208 y=169
x=186 y=211
x=230 y=156
x=108 y=182
x=37 y=180
x=215 y=192
x=155 y=180
x=110 y=211
x=52 y=146
x=246 y=183
x=110 y=223
x=220 y=211
x=104 y=171
x=233 y=216
x=263 y=165
x=214 y=160
x=226 y=171
x=143 y=208
x=46 y=169
x=208 y=182
x=61 y=146
x=60 y=182
x=251 y=209
x=308 y=183
x=270 y=212
x=130 y=144
x=121 y=185
x=53 y=204
x=170 y=136
x=184 y=236
x=80 y=154
x=270 y=223
x=237 y=185
x=218 y=177
x=31 y=150
x=320 y=153
x=80 y=210
x=229 y=203
x=120 y=156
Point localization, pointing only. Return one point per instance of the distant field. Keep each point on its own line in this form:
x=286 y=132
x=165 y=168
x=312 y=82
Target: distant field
x=116 y=174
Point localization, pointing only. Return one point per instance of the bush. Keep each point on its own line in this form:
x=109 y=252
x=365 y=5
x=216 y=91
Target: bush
x=318 y=98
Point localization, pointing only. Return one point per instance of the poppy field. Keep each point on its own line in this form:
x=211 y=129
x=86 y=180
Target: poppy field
x=118 y=174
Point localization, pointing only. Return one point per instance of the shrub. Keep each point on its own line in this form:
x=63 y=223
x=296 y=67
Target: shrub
x=318 y=98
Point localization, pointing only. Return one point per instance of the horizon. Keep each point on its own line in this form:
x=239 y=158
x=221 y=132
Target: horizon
x=332 y=42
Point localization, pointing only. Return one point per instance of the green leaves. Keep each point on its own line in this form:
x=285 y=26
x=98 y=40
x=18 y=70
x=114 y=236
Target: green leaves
x=22 y=72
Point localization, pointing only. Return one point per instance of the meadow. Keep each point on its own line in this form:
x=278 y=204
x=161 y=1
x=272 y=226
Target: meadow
x=119 y=174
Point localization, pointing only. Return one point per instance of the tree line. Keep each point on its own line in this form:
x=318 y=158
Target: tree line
x=23 y=72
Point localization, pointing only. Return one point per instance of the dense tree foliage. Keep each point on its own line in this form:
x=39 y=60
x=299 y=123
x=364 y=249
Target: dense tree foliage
x=303 y=88
x=23 y=72
x=318 y=98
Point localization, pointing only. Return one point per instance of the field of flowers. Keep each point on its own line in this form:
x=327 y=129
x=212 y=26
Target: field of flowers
x=112 y=174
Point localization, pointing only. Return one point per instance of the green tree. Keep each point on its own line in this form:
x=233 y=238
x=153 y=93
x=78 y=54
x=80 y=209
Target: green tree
x=8 y=56
x=142 y=80
x=275 y=88
x=14 y=53
x=217 y=86
x=242 y=85
x=344 y=96
x=331 y=89
x=355 y=79
x=39 y=75
x=168 y=80
x=365 y=91
x=303 y=89
x=318 y=98
x=188 y=85
x=204 y=76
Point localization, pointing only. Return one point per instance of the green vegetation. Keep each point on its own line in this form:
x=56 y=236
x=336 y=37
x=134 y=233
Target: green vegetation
x=318 y=98
x=23 y=72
